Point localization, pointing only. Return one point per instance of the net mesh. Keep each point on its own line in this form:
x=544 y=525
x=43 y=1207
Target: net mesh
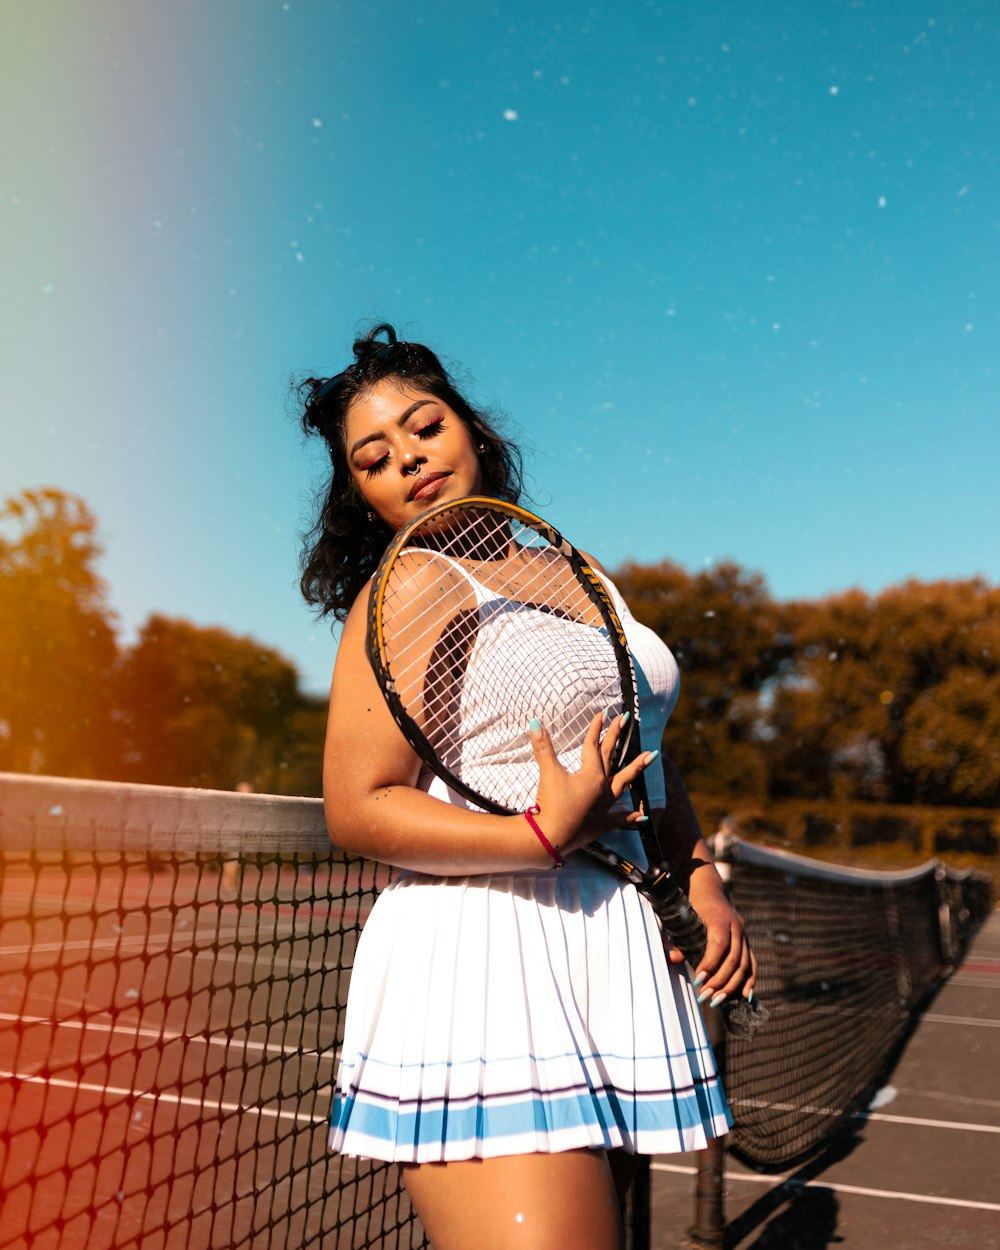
x=846 y=958
x=173 y=973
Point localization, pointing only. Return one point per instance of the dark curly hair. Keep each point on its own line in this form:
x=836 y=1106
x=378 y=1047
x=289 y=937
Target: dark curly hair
x=344 y=546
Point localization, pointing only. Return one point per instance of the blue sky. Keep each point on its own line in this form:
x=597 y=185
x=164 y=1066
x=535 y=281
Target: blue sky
x=731 y=272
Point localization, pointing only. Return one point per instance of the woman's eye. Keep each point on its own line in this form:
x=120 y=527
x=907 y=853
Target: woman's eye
x=431 y=428
x=374 y=466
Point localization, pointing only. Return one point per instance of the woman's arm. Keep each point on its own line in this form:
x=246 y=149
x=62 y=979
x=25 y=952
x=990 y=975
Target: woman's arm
x=728 y=964
x=373 y=807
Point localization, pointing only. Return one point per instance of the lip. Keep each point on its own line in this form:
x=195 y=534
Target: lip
x=426 y=486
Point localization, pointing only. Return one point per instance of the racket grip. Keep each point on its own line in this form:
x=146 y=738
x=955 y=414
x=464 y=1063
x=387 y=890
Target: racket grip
x=683 y=924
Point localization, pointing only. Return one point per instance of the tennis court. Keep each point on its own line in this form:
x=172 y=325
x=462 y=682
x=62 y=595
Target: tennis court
x=921 y=1170
x=173 y=969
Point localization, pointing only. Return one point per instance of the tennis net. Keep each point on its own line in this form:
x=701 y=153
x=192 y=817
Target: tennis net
x=173 y=973
x=847 y=957
x=174 y=967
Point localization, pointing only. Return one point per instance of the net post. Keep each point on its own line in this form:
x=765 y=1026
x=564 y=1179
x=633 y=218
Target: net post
x=709 y=1226
x=638 y=1232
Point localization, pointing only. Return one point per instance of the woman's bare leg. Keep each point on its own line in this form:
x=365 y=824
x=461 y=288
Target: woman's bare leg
x=518 y=1202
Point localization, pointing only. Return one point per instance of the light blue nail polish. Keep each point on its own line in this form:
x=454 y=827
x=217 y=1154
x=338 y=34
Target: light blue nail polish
x=704 y=996
x=719 y=998
x=626 y=717
x=652 y=756
x=699 y=979
x=750 y=997
x=534 y=725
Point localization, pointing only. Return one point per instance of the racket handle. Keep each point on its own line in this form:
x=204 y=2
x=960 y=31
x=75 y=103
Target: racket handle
x=682 y=923
x=686 y=928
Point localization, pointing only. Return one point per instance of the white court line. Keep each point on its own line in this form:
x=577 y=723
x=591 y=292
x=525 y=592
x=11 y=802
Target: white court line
x=868 y=1115
x=936 y=1019
x=185 y=939
x=174 y=1099
x=913 y=1119
x=793 y=1183
x=946 y=1097
x=131 y=1030
x=161 y=944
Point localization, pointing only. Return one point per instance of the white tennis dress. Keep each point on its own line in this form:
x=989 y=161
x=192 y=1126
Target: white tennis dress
x=528 y=1011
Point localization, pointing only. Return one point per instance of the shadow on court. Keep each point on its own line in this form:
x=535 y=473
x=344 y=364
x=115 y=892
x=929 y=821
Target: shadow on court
x=918 y=1172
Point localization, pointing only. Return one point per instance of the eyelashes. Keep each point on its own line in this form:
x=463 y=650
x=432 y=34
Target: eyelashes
x=374 y=467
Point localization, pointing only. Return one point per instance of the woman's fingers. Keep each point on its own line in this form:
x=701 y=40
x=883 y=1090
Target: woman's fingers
x=728 y=966
x=625 y=776
x=541 y=743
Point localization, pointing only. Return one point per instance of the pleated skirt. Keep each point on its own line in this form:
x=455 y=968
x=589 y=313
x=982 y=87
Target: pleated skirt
x=520 y=1013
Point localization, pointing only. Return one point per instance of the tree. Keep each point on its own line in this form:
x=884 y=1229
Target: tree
x=891 y=697
x=204 y=707
x=730 y=642
x=57 y=639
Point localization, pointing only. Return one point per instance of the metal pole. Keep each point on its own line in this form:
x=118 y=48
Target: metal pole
x=639 y=1229
x=709 y=1227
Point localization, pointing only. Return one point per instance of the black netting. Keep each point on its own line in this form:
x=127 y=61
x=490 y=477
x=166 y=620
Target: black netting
x=846 y=958
x=169 y=1024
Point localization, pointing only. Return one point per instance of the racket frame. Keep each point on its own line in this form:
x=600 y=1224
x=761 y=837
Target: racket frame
x=627 y=746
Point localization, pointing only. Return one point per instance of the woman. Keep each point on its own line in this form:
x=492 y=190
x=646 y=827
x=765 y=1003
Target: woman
x=514 y=1036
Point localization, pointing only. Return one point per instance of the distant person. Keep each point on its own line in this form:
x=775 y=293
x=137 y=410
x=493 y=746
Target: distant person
x=514 y=1035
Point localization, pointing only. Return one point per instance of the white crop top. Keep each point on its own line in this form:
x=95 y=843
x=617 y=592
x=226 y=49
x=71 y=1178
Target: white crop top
x=526 y=647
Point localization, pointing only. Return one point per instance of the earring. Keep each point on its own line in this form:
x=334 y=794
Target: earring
x=371 y=516
x=480 y=447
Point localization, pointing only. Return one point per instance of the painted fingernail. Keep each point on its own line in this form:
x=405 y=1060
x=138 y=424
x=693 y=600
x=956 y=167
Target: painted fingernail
x=606 y=715
x=699 y=979
x=626 y=717
x=719 y=998
x=704 y=996
x=750 y=997
x=535 y=725
x=650 y=756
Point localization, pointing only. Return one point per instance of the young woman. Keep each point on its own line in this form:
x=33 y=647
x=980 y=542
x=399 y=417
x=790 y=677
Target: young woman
x=514 y=1036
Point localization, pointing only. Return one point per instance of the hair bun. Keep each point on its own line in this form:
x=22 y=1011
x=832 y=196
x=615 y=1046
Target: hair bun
x=365 y=348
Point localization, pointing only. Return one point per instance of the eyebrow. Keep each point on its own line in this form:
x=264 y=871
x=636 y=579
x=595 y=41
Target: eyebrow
x=401 y=420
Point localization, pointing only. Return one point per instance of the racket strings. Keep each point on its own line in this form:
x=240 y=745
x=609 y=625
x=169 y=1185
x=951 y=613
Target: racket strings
x=485 y=625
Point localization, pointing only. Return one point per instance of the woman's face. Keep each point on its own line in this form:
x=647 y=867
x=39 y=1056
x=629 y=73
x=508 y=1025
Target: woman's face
x=407 y=450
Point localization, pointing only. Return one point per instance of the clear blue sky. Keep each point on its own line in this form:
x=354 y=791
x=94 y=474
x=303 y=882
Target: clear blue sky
x=730 y=269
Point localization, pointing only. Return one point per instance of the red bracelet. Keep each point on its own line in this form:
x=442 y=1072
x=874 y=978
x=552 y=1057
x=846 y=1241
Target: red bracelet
x=529 y=816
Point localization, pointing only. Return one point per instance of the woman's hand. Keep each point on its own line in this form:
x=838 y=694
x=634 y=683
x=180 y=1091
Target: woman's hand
x=728 y=966
x=574 y=807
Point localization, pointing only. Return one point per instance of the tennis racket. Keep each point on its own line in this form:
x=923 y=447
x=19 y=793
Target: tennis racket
x=482 y=616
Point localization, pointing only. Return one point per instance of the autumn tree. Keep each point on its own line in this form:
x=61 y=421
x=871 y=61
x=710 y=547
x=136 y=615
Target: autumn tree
x=894 y=697
x=730 y=642
x=204 y=707
x=57 y=639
